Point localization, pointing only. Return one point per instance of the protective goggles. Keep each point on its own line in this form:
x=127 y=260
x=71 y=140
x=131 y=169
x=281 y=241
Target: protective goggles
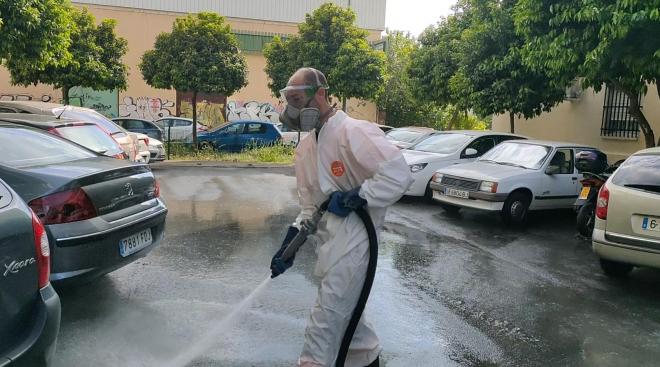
x=294 y=92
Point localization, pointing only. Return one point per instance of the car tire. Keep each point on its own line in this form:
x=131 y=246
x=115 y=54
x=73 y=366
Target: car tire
x=451 y=209
x=205 y=145
x=585 y=219
x=515 y=208
x=615 y=269
x=428 y=193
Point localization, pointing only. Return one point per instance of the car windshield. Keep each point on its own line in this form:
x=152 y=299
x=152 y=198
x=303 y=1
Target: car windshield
x=218 y=128
x=525 y=155
x=640 y=172
x=444 y=143
x=404 y=135
x=91 y=137
x=93 y=117
x=36 y=148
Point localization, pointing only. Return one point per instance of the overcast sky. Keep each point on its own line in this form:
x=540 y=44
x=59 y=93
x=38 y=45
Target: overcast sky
x=415 y=15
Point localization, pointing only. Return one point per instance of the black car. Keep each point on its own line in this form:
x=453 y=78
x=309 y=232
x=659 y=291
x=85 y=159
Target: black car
x=141 y=126
x=100 y=213
x=29 y=307
x=83 y=133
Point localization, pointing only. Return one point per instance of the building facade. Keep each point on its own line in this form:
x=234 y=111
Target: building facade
x=599 y=119
x=254 y=22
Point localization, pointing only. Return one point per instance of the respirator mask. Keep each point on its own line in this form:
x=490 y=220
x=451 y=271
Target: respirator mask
x=298 y=115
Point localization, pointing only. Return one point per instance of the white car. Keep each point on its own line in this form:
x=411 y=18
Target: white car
x=178 y=128
x=156 y=150
x=143 y=147
x=444 y=149
x=513 y=178
x=627 y=229
x=406 y=137
x=290 y=137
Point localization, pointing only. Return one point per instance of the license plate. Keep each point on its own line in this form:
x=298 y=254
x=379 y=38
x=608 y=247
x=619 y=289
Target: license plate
x=457 y=193
x=135 y=243
x=585 y=192
x=651 y=224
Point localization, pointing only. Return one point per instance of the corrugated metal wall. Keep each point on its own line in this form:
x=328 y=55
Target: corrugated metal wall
x=371 y=13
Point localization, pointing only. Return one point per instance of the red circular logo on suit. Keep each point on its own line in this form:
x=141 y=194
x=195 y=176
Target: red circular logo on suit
x=337 y=168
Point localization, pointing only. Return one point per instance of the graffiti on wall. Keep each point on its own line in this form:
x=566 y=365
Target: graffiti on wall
x=26 y=97
x=253 y=110
x=148 y=108
x=104 y=101
x=210 y=107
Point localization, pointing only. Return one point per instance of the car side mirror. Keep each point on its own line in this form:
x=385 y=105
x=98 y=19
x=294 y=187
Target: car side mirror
x=552 y=170
x=470 y=153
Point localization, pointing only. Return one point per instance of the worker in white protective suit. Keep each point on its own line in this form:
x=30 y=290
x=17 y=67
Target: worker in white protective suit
x=351 y=162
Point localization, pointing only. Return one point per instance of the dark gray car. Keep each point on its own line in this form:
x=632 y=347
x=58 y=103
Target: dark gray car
x=29 y=307
x=100 y=213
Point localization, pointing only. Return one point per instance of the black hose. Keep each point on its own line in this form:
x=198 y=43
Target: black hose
x=366 y=288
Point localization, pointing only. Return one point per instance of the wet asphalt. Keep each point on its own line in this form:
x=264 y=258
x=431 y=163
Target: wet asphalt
x=450 y=290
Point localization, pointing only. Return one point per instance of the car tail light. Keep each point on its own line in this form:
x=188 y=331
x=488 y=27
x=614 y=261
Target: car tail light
x=63 y=207
x=603 y=202
x=54 y=131
x=146 y=141
x=121 y=155
x=156 y=189
x=42 y=249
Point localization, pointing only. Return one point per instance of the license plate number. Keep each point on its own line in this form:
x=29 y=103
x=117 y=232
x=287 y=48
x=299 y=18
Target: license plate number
x=135 y=243
x=584 y=193
x=650 y=224
x=457 y=193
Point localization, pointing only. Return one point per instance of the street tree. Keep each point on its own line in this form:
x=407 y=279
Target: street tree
x=330 y=41
x=200 y=54
x=491 y=74
x=96 y=59
x=604 y=42
x=35 y=32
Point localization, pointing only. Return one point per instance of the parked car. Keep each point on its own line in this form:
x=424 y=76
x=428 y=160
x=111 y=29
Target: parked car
x=29 y=307
x=84 y=133
x=178 y=128
x=627 y=229
x=290 y=137
x=156 y=150
x=406 y=137
x=140 y=126
x=444 y=149
x=240 y=135
x=513 y=178
x=100 y=213
x=143 y=147
x=128 y=141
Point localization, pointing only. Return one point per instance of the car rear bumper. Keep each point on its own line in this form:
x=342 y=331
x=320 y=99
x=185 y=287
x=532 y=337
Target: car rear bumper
x=477 y=200
x=88 y=249
x=626 y=249
x=37 y=345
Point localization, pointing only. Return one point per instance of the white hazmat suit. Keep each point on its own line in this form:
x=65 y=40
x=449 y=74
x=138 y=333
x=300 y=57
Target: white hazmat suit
x=349 y=153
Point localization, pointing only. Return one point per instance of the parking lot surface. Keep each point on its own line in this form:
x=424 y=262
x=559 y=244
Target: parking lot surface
x=451 y=290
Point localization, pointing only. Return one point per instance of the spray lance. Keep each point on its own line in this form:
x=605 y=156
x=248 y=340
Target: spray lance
x=309 y=227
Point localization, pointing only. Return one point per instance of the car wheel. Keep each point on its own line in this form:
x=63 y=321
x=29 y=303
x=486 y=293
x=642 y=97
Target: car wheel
x=615 y=269
x=205 y=145
x=428 y=193
x=451 y=209
x=585 y=219
x=515 y=208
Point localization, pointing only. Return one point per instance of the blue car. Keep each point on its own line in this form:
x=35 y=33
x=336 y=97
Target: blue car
x=239 y=135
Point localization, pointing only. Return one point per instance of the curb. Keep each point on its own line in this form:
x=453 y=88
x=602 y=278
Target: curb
x=216 y=164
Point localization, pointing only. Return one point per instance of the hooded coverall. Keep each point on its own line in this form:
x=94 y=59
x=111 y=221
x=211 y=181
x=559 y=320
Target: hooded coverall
x=348 y=153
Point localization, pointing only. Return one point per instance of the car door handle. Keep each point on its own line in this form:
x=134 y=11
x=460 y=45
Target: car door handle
x=574 y=178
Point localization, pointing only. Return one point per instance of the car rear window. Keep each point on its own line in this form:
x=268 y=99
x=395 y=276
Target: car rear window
x=640 y=172
x=91 y=137
x=36 y=148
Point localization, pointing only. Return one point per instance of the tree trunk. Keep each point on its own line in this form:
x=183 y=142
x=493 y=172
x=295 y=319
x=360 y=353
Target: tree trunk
x=452 y=120
x=636 y=112
x=194 y=108
x=343 y=104
x=65 y=94
x=512 y=123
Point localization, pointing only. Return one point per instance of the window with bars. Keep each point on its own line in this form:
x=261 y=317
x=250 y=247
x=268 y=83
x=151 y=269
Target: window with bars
x=617 y=121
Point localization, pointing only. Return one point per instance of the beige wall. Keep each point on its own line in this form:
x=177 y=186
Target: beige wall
x=579 y=121
x=140 y=28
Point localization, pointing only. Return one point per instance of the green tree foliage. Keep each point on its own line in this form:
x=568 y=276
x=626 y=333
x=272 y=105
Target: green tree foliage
x=329 y=41
x=201 y=54
x=605 y=42
x=34 y=32
x=96 y=59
